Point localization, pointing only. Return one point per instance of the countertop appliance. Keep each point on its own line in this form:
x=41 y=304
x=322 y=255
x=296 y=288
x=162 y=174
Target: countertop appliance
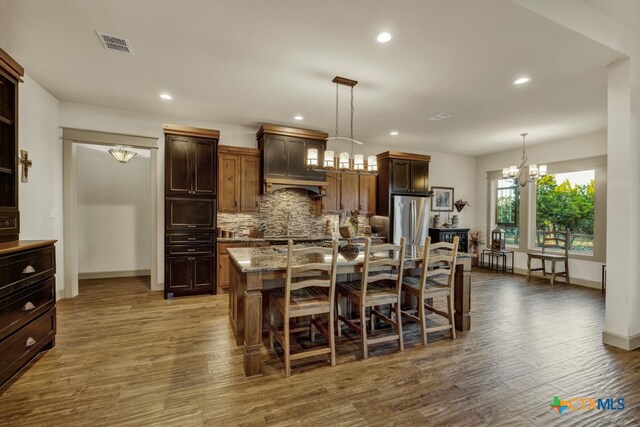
x=409 y=219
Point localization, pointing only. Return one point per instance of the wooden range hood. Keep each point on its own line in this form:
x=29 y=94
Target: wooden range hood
x=284 y=158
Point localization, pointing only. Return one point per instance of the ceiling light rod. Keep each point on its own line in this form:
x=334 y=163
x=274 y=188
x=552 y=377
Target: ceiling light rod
x=518 y=173
x=346 y=162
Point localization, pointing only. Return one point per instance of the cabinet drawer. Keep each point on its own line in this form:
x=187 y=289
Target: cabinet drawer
x=27 y=267
x=172 y=239
x=17 y=349
x=21 y=307
x=190 y=250
x=9 y=222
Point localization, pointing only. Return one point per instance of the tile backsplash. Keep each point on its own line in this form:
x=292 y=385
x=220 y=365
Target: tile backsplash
x=282 y=207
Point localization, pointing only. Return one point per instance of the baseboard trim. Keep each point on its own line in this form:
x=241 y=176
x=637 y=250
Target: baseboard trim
x=112 y=274
x=574 y=281
x=625 y=343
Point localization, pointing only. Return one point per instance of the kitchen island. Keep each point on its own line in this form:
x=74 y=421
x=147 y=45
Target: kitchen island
x=255 y=270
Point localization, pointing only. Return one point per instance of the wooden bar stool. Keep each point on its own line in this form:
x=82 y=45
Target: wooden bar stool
x=380 y=285
x=436 y=280
x=309 y=297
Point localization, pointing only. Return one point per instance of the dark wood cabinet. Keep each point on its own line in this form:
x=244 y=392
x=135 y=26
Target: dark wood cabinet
x=367 y=193
x=27 y=303
x=447 y=235
x=190 y=165
x=284 y=152
x=191 y=157
x=10 y=77
x=238 y=179
x=401 y=173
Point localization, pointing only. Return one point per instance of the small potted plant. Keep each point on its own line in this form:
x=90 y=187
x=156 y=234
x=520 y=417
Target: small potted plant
x=475 y=240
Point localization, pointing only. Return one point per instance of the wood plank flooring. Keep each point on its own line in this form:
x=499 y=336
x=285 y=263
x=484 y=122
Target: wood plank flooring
x=125 y=356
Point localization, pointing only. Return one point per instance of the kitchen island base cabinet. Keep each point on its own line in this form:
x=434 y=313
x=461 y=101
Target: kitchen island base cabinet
x=27 y=305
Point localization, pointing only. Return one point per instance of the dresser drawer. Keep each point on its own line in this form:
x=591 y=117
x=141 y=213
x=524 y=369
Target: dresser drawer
x=190 y=250
x=28 y=267
x=23 y=306
x=9 y=222
x=17 y=349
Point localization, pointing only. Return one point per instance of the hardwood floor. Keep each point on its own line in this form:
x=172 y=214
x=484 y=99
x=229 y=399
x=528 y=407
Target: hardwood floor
x=125 y=356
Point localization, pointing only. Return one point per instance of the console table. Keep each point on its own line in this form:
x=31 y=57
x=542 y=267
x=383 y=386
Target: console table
x=447 y=235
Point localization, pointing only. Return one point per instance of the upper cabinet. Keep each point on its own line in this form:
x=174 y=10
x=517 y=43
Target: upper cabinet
x=10 y=77
x=190 y=166
x=238 y=179
x=284 y=152
x=401 y=173
x=350 y=192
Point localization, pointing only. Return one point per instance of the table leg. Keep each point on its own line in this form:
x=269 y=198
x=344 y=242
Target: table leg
x=462 y=299
x=252 y=324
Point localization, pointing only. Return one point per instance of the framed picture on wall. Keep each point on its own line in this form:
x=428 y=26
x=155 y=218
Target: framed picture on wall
x=442 y=199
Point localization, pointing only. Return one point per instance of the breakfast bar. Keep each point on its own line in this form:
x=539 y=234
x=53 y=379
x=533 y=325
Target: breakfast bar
x=254 y=270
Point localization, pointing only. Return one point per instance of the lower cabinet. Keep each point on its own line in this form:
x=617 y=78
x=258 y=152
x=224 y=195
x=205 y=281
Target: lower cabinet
x=27 y=304
x=186 y=274
x=224 y=263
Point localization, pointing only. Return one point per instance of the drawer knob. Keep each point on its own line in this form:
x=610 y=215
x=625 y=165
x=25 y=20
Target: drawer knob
x=191 y=226
x=28 y=306
x=30 y=342
x=191 y=250
x=5 y=223
x=191 y=238
x=28 y=270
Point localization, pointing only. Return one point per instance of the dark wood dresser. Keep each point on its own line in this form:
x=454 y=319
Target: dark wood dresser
x=447 y=235
x=27 y=303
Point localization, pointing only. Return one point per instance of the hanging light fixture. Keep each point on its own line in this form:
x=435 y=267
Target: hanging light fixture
x=519 y=173
x=346 y=162
x=121 y=154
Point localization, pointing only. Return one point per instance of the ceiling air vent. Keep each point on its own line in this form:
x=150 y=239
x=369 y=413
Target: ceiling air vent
x=115 y=43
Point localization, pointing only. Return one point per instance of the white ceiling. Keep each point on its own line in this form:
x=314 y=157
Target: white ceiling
x=253 y=61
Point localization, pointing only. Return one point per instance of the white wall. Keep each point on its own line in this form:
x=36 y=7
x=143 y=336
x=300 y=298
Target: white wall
x=40 y=199
x=113 y=212
x=585 y=146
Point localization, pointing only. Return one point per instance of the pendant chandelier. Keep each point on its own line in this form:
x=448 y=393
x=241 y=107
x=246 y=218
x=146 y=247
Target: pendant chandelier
x=346 y=162
x=121 y=154
x=519 y=173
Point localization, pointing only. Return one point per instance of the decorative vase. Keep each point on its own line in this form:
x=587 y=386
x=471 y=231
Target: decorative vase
x=349 y=250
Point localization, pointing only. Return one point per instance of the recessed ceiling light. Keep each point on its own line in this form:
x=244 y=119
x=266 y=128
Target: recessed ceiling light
x=440 y=116
x=522 y=80
x=166 y=96
x=298 y=117
x=393 y=133
x=383 y=37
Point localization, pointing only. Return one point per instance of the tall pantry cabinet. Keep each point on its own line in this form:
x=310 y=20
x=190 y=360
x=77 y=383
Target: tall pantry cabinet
x=190 y=210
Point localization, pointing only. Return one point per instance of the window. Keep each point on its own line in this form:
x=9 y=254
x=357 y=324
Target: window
x=508 y=210
x=566 y=201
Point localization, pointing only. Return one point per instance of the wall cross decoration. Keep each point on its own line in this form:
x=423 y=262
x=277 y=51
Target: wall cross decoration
x=26 y=164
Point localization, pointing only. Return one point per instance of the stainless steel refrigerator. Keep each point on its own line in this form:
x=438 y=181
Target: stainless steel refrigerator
x=410 y=219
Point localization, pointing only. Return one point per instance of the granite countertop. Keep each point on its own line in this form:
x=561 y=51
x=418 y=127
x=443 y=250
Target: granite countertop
x=275 y=258
x=318 y=238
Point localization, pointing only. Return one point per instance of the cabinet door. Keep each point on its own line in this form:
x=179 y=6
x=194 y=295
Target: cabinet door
x=401 y=178
x=203 y=167
x=419 y=177
x=228 y=183
x=331 y=201
x=178 y=165
x=275 y=156
x=296 y=155
x=189 y=214
x=223 y=272
x=249 y=183
x=203 y=272
x=349 y=193
x=368 y=194
x=178 y=273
